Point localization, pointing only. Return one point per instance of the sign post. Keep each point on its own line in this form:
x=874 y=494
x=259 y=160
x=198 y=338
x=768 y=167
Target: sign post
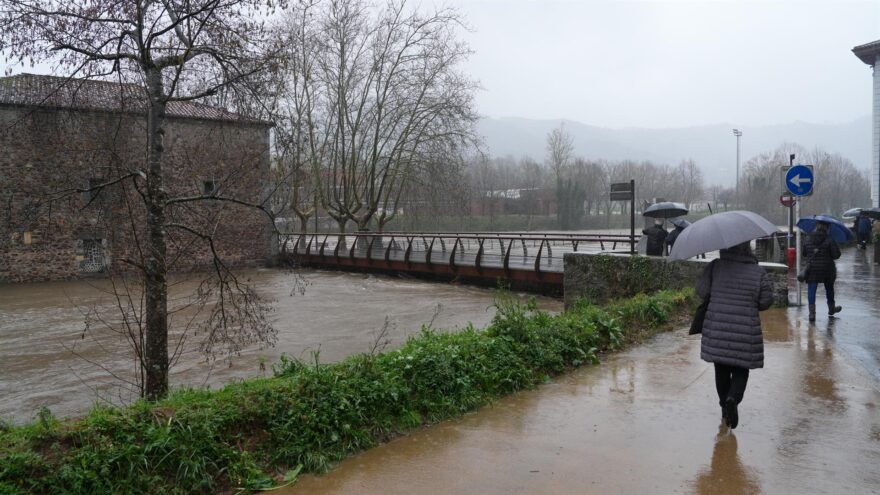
x=798 y=181
x=623 y=191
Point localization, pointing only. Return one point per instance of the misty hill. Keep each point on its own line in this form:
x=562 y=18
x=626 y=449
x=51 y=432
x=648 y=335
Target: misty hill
x=713 y=147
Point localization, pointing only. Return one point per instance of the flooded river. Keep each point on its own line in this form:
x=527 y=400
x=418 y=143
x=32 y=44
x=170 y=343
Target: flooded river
x=46 y=358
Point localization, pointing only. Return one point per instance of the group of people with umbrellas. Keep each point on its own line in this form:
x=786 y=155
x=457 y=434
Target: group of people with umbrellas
x=659 y=241
x=735 y=288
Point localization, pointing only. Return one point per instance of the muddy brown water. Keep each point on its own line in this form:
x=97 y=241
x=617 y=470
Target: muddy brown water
x=647 y=421
x=47 y=360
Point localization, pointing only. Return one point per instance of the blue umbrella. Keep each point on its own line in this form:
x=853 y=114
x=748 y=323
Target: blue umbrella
x=680 y=222
x=838 y=231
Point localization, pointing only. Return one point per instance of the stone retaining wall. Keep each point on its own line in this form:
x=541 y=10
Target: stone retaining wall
x=600 y=277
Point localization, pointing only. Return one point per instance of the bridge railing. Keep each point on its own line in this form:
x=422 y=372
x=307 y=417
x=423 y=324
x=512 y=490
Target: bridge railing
x=515 y=250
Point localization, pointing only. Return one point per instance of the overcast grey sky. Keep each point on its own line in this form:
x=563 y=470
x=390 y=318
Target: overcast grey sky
x=658 y=63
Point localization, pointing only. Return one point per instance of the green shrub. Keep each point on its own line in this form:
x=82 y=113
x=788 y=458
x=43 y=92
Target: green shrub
x=309 y=415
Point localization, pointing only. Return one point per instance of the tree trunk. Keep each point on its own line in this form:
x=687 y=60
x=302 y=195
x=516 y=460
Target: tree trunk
x=155 y=283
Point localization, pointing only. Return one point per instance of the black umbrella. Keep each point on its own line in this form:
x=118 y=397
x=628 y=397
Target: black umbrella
x=666 y=209
x=872 y=213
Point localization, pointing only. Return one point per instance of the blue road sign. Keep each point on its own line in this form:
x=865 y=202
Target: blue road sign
x=799 y=180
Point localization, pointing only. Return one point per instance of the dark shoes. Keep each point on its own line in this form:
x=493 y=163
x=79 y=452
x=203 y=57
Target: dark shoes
x=834 y=309
x=812 y=312
x=730 y=413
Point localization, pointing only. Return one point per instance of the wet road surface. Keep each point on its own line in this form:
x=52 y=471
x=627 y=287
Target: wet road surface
x=44 y=361
x=647 y=421
x=857 y=329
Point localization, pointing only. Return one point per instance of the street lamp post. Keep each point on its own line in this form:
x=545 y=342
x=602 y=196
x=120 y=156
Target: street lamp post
x=738 y=133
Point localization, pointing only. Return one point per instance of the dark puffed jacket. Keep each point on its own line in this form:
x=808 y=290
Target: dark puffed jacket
x=824 y=251
x=656 y=240
x=740 y=288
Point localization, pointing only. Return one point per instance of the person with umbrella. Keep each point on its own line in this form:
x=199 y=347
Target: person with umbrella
x=734 y=288
x=680 y=224
x=863 y=229
x=821 y=250
x=656 y=234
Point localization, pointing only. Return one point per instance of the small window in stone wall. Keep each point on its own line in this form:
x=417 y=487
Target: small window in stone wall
x=91 y=255
x=21 y=237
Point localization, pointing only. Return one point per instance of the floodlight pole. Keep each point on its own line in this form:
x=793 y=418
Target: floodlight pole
x=738 y=133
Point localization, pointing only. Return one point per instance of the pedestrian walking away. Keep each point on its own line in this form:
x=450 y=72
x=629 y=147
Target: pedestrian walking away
x=738 y=289
x=680 y=225
x=821 y=250
x=656 y=238
x=863 y=229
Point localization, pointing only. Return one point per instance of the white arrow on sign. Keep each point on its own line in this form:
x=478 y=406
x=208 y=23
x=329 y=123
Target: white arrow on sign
x=797 y=180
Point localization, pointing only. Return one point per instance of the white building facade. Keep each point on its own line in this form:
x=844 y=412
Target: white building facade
x=869 y=53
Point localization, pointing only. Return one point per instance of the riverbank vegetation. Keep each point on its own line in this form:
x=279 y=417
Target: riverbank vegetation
x=261 y=432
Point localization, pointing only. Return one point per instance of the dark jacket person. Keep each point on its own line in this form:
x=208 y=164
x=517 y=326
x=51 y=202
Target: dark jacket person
x=670 y=239
x=863 y=230
x=821 y=251
x=732 y=337
x=656 y=239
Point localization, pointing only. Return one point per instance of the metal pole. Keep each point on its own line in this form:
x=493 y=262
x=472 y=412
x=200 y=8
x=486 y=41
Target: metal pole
x=632 y=217
x=791 y=207
x=797 y=252
x=738 y=134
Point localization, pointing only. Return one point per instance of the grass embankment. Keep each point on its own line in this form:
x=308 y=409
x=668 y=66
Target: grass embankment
x=308 y=416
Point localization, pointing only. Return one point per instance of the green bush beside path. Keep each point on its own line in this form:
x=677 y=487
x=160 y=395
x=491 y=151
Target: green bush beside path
x=245 y=436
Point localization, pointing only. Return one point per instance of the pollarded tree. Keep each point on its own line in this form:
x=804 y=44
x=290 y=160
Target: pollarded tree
x=172 y=51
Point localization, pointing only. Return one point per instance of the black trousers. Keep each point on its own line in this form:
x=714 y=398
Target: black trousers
x=730 y=382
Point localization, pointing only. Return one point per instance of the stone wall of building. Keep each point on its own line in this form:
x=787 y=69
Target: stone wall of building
x=600 y=277
x=48 y=231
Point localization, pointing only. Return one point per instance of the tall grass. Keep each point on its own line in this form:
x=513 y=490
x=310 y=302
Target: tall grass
x=244 y=436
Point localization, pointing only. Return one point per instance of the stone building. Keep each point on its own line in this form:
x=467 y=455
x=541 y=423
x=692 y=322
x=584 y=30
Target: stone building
x=60 y=136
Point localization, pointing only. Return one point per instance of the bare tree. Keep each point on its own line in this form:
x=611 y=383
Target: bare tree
x=560 y=147
x=173 y=51
x=375 y=94
x=689 y=182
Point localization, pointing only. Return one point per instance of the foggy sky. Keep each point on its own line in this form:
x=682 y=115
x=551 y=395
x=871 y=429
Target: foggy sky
x=617 y=63
x=668 y=64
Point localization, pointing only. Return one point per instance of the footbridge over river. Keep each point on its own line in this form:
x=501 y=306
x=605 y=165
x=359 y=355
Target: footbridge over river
x=526 y=261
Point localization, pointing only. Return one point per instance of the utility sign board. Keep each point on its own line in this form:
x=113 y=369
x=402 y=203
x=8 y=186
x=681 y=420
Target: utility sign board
x=622 y=191
x=798 y=180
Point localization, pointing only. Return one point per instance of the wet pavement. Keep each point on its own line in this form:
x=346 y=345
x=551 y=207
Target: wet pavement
x=857 y=329
x=46 y=359
x=647 y=421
